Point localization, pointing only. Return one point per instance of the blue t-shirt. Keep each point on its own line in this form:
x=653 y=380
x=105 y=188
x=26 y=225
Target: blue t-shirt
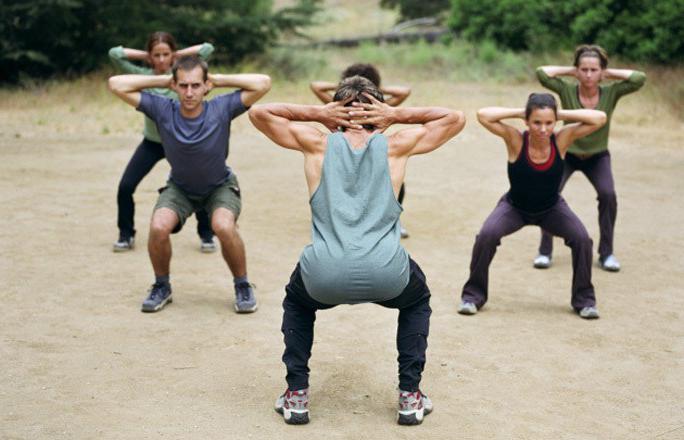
x=196 y=148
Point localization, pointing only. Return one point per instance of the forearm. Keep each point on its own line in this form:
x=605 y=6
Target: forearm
x=584 y=116
x=246 y=81
x=395 y=95
x=417 y=115
x=617 y=74
x=188 y=51
x=294 y=112
x=496 y=114
x=136 y=83
x=135 y=54
x=554 y=71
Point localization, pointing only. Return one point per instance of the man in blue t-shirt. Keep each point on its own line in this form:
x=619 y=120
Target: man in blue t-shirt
x=195 y=135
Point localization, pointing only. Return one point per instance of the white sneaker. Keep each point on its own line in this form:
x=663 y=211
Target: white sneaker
x=542 y=261
x=124 y=244
x=589 y=313
x=207 y=246
x=467 y=308
x=404 y=233
x=610 y=263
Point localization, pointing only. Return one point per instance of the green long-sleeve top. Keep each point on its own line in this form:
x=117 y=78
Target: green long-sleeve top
x=120 y=61
x=596 y=142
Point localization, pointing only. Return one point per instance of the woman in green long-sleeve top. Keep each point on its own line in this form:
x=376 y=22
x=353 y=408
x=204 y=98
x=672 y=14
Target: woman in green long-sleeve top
x=160 y=54
x=590 y=154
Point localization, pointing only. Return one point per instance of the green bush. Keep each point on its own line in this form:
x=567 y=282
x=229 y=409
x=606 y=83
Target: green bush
x=640 y=30
x=409 y=9
x=40 y=38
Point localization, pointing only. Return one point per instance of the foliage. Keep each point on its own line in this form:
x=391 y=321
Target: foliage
x=635 y=29
x=40 y=38
x=409 y=9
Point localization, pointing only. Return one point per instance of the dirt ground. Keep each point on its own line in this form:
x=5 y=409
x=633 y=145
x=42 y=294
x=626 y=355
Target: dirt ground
x=80 y=361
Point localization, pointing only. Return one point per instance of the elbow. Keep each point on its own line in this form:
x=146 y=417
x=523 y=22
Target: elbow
x=482 y=115
x=265 y=83
x=257 y=114
x=458 y=119
x=113 y=85
x=602 y=118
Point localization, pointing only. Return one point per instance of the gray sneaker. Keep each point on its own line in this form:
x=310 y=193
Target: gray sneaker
x=158 y=296
x=610 y=263
x=294 y=406
x=413 y=406
x=589 y=313
x=542 y=261
x=245 y=301
x=467 y=308
x=207 y=245
x=124 y=244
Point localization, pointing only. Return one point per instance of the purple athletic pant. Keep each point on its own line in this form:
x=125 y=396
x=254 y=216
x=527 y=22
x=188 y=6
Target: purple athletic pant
x=505 y=220
x=598 y=170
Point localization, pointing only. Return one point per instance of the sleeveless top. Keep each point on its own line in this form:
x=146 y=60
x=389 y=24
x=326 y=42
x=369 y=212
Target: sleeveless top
x=355 y=256
x=535 y=187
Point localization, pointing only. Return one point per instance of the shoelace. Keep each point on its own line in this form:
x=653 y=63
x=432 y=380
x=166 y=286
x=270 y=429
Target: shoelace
x=157 y=291
x=243 y=292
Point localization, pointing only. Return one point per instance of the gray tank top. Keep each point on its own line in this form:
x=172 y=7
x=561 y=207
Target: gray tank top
x=355 y=256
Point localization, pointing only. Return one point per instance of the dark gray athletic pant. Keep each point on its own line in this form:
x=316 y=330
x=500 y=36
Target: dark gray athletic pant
x=505 y=220
x=598 y=170
x=412 y=330
x=144 y=159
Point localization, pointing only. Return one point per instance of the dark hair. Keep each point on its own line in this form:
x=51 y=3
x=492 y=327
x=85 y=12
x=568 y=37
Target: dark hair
x=188 y=63
x=160 y=37
x=538 y=101
x=354 y=87
x=367 y=71
x=591 y=50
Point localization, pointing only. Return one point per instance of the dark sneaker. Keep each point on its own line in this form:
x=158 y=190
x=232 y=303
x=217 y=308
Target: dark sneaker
x=413 y=406
x=245 y=301
x=207 y=245
x=159 y=295
x=124 y=244
x=294 y=406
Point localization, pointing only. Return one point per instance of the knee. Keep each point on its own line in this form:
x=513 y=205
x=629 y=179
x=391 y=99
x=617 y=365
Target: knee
x=224 y=227
x=487 y=238
x=127 y=187
x=580 y=239
x=160 y=227
x=607 y=197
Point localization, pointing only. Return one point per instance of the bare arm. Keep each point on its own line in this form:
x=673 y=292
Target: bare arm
x=188 y=51
x=135 y=54
x=280 y=122
x=128 y=87
x=554 y=71
x=584 y=122
x=323 y=90
x=397 y=94
x=617 y=74
x=491 y=118
x=436 y=125
x=253 y=85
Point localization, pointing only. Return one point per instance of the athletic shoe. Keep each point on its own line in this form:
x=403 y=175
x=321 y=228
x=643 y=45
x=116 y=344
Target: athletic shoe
x=467 y=308
x=124 y=244
x=402 y=230
x=413 y=406
x=610 y=263
x=159 y=295
x=294 y=406
x=245 y=301
x=542 y=261
x=589 y=313
x=207 y=245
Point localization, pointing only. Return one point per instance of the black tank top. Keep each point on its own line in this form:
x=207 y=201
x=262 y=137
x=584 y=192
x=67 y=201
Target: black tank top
x=534 y=187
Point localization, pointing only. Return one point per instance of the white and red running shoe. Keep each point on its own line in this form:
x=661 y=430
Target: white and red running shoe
x=294 y=406
x=413 y=406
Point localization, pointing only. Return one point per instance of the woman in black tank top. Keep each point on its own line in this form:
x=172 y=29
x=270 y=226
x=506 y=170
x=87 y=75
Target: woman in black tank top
x=535 y=169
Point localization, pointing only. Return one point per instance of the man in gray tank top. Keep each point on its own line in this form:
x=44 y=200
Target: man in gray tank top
x=355 y=256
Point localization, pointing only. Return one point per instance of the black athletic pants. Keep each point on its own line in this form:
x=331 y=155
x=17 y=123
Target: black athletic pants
x=144 y=159
x=412 y=330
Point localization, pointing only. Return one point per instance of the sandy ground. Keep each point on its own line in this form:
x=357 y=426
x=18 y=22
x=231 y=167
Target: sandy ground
x=80 y=361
